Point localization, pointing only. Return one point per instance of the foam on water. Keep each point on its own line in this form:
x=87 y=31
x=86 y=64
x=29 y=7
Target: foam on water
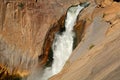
x=63 y=44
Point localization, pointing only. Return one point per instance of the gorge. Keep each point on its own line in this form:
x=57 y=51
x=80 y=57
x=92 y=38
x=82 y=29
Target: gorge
x=40 y=40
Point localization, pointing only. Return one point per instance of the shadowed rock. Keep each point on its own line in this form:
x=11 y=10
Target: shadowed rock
x=57 y=27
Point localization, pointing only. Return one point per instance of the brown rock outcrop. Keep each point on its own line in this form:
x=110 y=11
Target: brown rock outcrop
x=27 y=29
x=79 y=31
x=102 y=61
x=57 y=27
x=23 y=27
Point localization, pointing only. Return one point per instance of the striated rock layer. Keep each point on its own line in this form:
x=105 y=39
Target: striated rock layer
x=27 y=29
x=97 y=57
x=23 y=27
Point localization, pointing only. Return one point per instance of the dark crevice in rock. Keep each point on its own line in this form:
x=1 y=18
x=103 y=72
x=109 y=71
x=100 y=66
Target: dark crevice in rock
x=116 y=0
x=79 y=30
x=61 y=30
x=50 y=58
x=47 y=54
x=75 y=42
x=59 y=26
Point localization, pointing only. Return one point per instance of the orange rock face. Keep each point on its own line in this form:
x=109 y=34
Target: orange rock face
x=23 y=27
x=102 y=61
x=27 y=29
x=79 y=31
x=50 y=37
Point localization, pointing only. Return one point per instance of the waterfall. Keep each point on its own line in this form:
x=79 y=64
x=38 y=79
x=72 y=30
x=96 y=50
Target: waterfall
x=63 y=43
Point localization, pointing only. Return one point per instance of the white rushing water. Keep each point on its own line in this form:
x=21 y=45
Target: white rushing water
x=63 y=44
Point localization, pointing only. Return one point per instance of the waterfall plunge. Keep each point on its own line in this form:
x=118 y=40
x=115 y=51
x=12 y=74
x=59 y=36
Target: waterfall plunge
x=63 y=43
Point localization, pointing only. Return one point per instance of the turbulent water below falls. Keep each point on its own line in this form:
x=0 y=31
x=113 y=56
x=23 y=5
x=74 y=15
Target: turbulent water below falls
x=63 y=43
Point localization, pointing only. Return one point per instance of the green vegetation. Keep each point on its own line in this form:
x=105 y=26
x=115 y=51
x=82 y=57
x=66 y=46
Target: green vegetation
x=88 y=19
x=21 y=5
x=91 y=46
x=104 y=15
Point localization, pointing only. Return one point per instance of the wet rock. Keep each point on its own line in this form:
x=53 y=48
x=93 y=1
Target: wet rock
x=79 y=32
x=59 y=28
x=55 y=28
x=23 y=27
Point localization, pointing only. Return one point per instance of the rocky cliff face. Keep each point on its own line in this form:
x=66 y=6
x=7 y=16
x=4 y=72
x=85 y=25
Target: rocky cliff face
x=27 y=29
x=97 y=56
x=23 y=26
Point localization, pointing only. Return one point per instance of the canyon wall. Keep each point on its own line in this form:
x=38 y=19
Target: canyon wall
x=97 y=56
x=27 y=28
x=23 y=27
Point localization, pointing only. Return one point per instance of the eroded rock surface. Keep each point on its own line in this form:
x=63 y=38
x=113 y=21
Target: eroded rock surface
x=97 y=56
x=23 y=27
x=27 y=29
